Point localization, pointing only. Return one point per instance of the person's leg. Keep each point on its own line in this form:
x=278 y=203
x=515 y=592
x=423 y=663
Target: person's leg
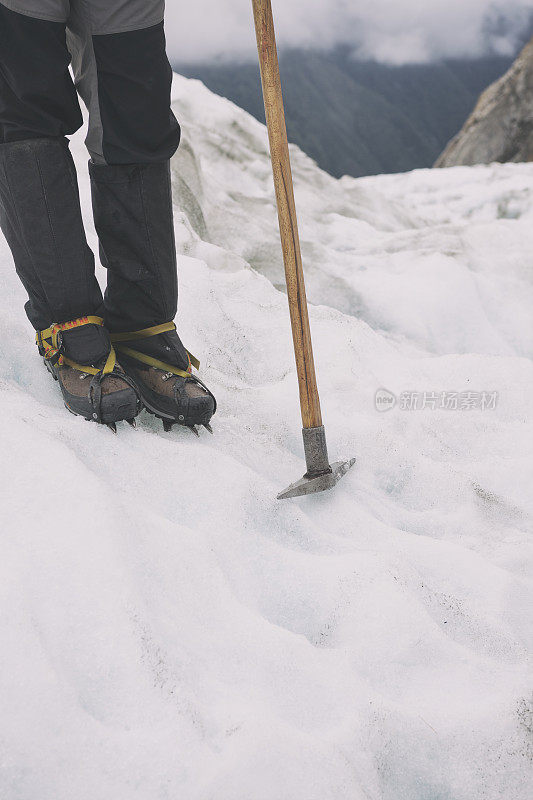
x=40 y=212
x=123 y=74
x=39 y=203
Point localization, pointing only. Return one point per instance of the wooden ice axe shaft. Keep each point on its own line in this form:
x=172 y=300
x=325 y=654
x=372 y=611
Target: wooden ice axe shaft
x=288 y=223
x=320 y=474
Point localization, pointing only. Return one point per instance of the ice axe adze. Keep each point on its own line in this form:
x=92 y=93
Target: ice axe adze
x=320 y=473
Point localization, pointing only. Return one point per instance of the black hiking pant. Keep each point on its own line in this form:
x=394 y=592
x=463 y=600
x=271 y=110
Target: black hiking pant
x=121 y=71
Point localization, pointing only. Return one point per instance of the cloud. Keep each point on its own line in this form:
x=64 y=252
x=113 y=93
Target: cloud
x=391 y=31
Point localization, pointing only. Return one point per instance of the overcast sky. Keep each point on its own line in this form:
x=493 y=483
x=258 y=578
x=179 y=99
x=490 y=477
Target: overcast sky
x=393 y=31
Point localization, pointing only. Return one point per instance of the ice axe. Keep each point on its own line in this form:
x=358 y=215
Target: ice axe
x=320 y=473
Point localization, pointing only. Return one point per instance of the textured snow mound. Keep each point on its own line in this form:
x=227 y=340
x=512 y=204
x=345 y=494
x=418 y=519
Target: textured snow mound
x=170 y=630
x=434 y=259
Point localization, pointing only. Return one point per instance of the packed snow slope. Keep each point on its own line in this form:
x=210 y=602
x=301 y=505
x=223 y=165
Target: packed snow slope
x=171 y=631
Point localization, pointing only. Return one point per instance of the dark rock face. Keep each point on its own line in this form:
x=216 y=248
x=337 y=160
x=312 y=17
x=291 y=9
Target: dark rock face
x=501 y=126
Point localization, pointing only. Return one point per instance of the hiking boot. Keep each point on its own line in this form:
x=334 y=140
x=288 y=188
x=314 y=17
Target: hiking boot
x=81 y=358
x=161 y=367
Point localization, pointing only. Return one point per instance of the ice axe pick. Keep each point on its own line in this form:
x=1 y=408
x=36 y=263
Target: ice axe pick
x=320 y=475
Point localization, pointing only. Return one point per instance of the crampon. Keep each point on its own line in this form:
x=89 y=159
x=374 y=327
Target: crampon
x=81 y=358
x=156 y=360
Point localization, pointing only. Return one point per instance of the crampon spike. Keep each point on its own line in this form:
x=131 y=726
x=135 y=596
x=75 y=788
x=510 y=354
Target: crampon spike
x=167 y=425
x=132 y=422
x=208 y=428
x=193 y=429
x=112 y=427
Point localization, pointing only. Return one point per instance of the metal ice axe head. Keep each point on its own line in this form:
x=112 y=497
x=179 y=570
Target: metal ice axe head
x=320 y=475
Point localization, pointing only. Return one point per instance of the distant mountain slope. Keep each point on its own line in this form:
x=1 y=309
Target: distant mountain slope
x=362 y=118
x=501 y=126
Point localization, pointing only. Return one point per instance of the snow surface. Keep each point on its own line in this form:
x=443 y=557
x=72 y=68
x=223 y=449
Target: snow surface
x=171 y=631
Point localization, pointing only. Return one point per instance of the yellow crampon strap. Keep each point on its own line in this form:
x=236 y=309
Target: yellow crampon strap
x=117 y=338
x=49 y=340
